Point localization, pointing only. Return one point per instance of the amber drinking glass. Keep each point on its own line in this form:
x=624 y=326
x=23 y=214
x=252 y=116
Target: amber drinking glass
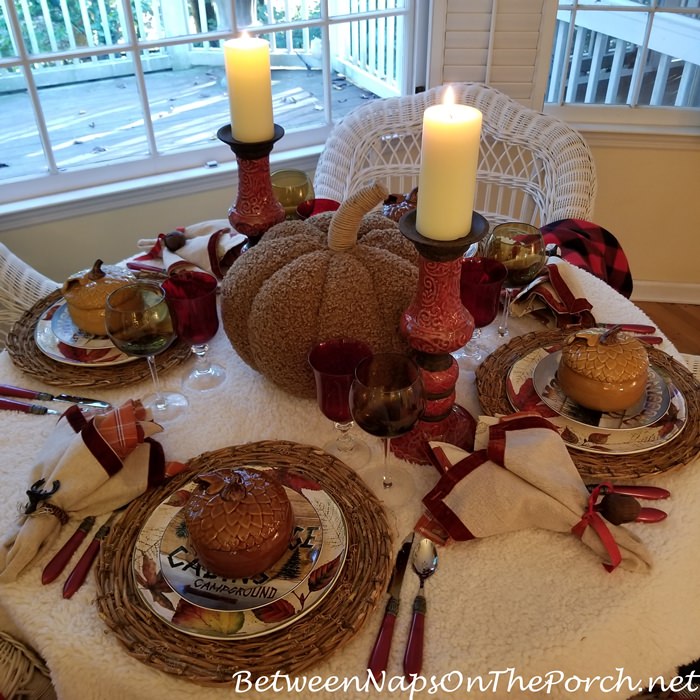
x=520 y=247
x=386 y=400
x=291 y=187
x=138 y=322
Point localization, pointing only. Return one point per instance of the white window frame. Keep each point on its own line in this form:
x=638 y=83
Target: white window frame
x=170 y=174
x=631 y=119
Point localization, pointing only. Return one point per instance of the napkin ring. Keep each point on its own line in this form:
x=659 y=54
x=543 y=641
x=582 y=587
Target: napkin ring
x=52 y=509
x=37 y=494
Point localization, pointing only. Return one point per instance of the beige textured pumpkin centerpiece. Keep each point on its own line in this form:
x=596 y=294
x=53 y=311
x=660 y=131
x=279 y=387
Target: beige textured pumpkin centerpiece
x=349 y=273
x=86 y=293
x=239 y=521
x=603 y=370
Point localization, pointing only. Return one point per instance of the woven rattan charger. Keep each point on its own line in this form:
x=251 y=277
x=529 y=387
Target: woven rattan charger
x=333 y=622
x=29 y=358
x=491 y=380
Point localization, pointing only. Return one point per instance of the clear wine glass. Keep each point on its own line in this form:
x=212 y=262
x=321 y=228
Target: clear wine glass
x=191 y=297
x=333 y=363
x=520 y=247
x=291 y=187
x=138 y=322
x=481 y=281
x=386 y=400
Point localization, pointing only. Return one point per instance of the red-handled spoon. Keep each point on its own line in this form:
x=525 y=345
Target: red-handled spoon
x=425 y=561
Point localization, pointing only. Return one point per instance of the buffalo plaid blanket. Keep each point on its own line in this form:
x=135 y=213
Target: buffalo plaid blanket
x=591 y=247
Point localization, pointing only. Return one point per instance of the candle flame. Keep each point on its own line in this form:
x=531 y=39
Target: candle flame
x=448 y=98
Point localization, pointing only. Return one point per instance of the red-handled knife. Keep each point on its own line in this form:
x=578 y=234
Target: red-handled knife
x=79 y=574
x=20 y=393
x=648 y=493
x=36 y=409
x=380 y=652
x=63 y=556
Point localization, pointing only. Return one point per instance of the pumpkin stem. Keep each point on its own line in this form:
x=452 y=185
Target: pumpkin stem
x=342 y=232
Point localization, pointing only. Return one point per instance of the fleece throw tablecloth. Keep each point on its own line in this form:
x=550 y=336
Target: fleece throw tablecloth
x=501 y=611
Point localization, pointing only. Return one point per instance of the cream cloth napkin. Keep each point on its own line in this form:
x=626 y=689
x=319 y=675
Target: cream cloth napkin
x=210 y=245
x=86 y=467
x=520 y=476
x=554 y=296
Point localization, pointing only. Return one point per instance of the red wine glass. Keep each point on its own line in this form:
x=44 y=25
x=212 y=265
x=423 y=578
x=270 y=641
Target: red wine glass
x=138 y=322
x=333 y=363
x=520 y=247
x=191 y=296
x=481 y=281
x=386 y=400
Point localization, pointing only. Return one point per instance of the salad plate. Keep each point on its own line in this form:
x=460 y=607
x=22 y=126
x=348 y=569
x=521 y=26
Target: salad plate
x=67 y=332
x=306 y=586
x=53 y=347
x=596 y=438
x=651 y=407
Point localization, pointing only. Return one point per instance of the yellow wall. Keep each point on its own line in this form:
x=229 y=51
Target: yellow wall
x=648 y=198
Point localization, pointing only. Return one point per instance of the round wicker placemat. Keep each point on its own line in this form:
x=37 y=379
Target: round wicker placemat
x=29 y=358
x=334 y=621
x=492 y=375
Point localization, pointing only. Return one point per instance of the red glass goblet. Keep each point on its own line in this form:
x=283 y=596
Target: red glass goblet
x=480 y=284
x=191 y=296
x=333 y=363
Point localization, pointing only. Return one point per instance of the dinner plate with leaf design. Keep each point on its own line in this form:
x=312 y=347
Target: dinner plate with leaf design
x=598 y=438
x=303 y=584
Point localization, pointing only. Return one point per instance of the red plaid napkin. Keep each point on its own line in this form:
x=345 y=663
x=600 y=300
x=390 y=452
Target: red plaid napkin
x=86 y=467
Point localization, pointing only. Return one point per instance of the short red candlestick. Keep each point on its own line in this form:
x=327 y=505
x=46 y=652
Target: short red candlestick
x=256 y=208
x=436 y=323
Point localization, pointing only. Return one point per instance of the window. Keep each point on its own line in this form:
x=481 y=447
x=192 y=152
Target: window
x=622 y=54
x=98 y=91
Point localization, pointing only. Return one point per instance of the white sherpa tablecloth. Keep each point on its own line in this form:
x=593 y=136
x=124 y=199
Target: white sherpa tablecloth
x=501 y=611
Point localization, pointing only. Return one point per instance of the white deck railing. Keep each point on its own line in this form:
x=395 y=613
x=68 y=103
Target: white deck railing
x=364 y=50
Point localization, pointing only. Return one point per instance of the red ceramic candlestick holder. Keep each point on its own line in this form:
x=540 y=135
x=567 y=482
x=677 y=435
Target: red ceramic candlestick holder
x=256 y=208
x=436 y=323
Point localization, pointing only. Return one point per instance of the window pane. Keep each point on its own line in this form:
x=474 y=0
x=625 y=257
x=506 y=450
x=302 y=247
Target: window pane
x=87 y=24
x=7 y=46
x=96 y=121
x=348 y=7
x=21 y=153
x=189 y=100
x=279 y=11
x=156 y=19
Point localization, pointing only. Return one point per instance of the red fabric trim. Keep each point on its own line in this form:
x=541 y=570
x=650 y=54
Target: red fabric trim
x=435 y=504
x=101 y=449
x=212 y=244
x=156 y=463
x=591 y=517
x=75 y=417
x=496 y=448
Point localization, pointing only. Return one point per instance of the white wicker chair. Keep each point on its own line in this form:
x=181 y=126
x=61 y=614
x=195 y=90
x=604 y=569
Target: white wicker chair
x=20 y=287
x=532 y=167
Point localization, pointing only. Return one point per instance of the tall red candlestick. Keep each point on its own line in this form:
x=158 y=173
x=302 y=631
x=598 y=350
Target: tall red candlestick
x=256 y=208
x=436 y=323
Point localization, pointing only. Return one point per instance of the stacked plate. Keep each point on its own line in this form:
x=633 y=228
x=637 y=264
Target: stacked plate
x=60 y=339
x=655 y=420
x=182 y=593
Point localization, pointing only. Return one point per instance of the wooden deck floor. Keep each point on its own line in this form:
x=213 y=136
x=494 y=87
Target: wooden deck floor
x=102 y=121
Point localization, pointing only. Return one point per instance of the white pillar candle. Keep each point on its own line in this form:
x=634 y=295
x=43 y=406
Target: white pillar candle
x=247 y=61
x=449 y=160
